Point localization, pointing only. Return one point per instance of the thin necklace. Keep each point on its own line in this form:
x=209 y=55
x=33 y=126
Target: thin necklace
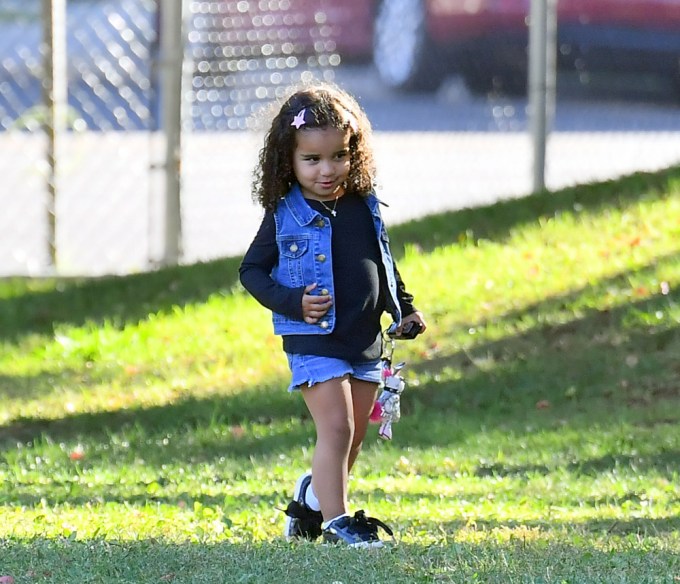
x=331 y=211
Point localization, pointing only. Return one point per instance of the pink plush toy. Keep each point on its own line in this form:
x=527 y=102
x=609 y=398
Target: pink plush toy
x=386 y=409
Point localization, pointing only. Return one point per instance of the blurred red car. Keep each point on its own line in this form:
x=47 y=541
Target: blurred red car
x=416 y=43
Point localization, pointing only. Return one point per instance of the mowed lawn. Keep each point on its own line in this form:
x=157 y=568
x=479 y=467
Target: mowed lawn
x=146 y=434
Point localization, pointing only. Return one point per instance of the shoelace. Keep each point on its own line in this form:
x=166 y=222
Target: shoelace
x=370 y=524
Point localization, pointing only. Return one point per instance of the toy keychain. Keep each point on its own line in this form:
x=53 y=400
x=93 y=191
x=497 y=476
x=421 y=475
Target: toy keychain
x=386 y=409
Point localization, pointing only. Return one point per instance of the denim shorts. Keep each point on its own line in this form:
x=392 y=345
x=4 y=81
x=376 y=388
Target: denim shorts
x=311 y=369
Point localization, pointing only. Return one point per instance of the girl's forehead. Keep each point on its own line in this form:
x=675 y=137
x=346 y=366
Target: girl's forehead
x=322 y=139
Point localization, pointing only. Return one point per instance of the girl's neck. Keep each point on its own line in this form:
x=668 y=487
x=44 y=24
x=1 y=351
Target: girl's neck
x=336 y=195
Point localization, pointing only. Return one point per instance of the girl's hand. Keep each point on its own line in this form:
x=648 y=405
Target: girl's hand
x=414 y=317
x=316 y=306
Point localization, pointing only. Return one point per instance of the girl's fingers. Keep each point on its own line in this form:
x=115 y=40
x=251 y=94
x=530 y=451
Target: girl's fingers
x=316 y=313
x=315 y=303
x=313 y=306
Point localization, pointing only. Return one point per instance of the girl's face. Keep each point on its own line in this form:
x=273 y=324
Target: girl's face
x=321 y=162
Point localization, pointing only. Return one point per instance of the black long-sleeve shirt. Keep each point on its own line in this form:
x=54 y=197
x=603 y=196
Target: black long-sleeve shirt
x=358 y=276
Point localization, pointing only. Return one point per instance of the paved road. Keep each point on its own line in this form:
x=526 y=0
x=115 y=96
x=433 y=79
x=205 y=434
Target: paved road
x=605 y=104
x=434 y=153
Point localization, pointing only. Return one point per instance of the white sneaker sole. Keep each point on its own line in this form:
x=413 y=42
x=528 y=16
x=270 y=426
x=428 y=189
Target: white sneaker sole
x=363 y=545
x=290 y=523
x=367 y=544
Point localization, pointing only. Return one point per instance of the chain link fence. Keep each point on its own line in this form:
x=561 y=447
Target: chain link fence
x=102 y=204
x=238 y=56
x=435 y=151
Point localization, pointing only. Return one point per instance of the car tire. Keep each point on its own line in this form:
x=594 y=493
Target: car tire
x=404 y=55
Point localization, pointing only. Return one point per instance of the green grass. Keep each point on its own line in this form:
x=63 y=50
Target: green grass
x=146 y=434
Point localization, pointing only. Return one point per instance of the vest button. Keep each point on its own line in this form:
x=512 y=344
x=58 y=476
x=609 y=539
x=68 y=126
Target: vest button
x=323 y=324
x=321 y=257
x=324 y=292
x=293 y=248
x=319 y=223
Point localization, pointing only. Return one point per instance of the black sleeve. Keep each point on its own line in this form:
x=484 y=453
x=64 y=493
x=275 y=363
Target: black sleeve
x=255 y=273
x=405 y=299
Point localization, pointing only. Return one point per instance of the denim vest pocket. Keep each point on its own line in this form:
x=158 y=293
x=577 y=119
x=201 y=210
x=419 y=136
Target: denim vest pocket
x=293 y=251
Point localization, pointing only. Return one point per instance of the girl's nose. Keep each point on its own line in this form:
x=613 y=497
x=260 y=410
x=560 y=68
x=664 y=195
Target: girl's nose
x=326 y=168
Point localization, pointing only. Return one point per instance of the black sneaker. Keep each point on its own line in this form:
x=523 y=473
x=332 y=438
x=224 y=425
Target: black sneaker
x=357 y=531
x=301 y=521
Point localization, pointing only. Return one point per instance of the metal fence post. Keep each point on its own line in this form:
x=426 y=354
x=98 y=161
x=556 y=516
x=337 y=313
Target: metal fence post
x=55 y=95
x=171 y=74
x=542 y=81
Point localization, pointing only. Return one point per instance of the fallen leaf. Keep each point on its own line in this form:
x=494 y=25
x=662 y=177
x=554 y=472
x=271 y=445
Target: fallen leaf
x=131 y=370
x=237 y=431
x=6 y=580
x=543 y=404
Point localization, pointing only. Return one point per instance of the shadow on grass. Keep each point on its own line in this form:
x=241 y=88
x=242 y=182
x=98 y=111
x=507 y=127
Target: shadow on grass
x=122 y=300
x=145 y=494
x=42 y=384
x=568 y=363
x=569 y=338
x=119 y=300
x=645 y=527
x=184 y=417
x=665 y=463
x=615 y=354
x=593 y=363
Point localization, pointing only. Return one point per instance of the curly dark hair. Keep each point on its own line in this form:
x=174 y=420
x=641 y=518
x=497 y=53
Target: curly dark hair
x=325 y=106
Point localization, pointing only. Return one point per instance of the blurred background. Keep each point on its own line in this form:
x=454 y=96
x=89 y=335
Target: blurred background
x=444 y=83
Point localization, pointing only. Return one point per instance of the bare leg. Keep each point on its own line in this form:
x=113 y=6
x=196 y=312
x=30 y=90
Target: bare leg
x=330 y=404
x=363 y=397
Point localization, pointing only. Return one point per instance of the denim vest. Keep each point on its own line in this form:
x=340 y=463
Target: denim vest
x=303 y=237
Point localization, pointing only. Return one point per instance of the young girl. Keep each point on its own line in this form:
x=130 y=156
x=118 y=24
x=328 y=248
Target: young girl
x=321 y=262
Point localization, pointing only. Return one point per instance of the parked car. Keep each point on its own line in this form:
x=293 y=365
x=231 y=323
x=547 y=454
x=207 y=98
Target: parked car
x=418 y=42
x=415 y=44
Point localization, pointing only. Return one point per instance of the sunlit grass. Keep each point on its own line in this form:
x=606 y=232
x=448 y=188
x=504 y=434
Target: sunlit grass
x=146 y=419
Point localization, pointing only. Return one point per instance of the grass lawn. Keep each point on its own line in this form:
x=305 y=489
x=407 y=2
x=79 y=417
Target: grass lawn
x=146 y=434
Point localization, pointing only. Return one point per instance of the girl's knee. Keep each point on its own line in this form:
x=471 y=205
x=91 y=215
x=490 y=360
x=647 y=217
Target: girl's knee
x=339 y=431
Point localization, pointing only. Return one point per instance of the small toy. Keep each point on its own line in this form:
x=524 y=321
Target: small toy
x=386 y=409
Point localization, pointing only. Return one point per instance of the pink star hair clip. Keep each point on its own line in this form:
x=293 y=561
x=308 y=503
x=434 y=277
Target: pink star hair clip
x=299 y=119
